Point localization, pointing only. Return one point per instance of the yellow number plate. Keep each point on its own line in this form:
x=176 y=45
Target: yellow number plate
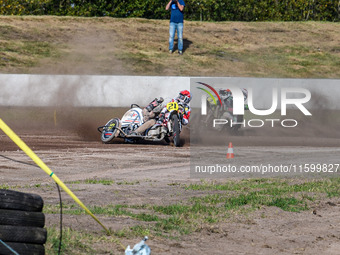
x=172 y=106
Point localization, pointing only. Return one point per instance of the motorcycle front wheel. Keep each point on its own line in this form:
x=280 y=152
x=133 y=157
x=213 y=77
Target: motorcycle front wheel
x=176 y=130
x=110 y=131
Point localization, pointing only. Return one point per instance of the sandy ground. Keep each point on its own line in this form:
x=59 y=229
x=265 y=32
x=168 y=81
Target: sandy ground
x=74 y=156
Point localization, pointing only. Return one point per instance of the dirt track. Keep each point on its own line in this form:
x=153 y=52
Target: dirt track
x=75 y=155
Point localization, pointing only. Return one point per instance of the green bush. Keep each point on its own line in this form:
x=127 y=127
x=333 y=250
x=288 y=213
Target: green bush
x=23 y=7
x=207 y=10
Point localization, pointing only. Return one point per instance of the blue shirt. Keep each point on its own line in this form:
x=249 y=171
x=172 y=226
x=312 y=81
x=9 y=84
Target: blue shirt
x=176 y=15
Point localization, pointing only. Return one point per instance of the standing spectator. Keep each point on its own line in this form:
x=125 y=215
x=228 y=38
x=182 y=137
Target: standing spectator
x=176 y=23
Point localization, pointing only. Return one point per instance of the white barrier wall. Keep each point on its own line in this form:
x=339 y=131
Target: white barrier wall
x=94 y=90
x=122 y=91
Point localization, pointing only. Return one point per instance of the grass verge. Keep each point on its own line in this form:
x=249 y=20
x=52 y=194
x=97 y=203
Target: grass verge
x=210 y=203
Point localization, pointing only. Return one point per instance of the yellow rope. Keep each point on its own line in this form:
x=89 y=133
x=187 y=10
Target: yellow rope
x=16 y=139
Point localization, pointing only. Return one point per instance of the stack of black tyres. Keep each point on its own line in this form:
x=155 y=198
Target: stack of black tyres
x=22 y=223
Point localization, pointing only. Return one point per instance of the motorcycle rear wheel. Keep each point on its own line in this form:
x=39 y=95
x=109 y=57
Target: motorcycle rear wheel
x=235 y=128
x=110 y=131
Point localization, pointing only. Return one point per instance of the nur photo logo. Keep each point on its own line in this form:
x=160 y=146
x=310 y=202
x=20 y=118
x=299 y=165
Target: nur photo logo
x=233 y=101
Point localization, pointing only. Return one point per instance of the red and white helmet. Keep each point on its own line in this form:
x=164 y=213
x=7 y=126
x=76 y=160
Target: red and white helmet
x=184 y=96
x=225 y=92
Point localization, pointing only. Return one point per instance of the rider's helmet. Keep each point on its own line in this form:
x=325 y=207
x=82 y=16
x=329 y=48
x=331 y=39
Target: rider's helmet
x=184 y=97
x=225 y=92
x=245 y=93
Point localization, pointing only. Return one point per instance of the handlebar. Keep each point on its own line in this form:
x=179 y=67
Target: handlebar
x=136 y=105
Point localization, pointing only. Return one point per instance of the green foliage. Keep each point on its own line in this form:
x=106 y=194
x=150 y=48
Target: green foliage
x=73 y=242
x=263 y=10
x=207 y=10
x=23 y=7
x=4 y=186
